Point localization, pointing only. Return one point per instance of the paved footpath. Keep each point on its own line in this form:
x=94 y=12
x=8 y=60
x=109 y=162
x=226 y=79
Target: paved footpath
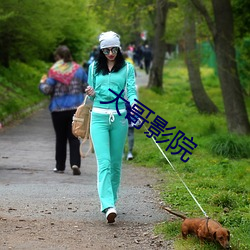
x=34 y=200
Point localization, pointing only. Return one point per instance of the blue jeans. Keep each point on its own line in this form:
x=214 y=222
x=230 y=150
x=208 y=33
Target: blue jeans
x=108 y=139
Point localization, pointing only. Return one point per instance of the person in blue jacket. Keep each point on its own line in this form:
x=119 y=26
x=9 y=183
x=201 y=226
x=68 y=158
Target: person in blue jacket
x=108 y=76
x=65 y=83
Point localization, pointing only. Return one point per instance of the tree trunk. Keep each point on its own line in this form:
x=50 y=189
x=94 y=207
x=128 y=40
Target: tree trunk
x=201 y=99
x=159 y=46
x=223 y=38
x=233 y=97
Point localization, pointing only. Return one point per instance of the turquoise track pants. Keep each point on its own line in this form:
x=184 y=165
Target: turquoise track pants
x=108 y=138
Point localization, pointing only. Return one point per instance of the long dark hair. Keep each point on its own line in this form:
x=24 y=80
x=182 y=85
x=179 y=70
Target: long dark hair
x=102 y=67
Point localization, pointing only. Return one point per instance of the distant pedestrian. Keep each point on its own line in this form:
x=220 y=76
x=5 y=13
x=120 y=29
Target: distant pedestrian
x=93 y=55
x=131 y=128
x=131 y=136
x=65 y=84
x=109 y=129
x=147 y=54
x=138 y=56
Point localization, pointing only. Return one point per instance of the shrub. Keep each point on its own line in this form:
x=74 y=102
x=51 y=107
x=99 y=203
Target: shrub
x=231 y=146
x=223 y=200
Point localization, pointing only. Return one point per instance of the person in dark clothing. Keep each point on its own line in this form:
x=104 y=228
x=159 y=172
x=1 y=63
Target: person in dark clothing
x=93 y=55
x=138 y=56
x=65 y=84
x=147 y=54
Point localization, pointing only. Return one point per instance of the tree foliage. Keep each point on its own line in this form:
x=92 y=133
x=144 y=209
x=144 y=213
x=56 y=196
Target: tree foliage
x=241 y=18
x=126 y=17
x=175 y=25
x=28 y=33
x=242 y=34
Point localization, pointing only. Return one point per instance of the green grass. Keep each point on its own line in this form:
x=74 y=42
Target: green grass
x=217 y=172
x=19 y=88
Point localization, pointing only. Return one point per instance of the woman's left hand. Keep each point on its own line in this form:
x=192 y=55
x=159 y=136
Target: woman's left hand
x=133 y=107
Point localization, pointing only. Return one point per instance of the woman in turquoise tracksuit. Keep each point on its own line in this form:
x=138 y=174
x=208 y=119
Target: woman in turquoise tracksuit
x=108 y=128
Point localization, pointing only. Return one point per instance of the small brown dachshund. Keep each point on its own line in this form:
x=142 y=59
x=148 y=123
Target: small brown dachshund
x=204 y=229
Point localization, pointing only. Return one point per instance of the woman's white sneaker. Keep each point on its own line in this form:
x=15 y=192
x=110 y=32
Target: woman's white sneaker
x=111 y=214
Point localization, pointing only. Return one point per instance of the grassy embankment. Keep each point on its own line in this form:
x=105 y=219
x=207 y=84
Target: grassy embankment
x=217 y=172
x=19 y=92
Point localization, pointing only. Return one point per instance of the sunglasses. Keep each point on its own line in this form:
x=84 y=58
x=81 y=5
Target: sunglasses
x=106 y=51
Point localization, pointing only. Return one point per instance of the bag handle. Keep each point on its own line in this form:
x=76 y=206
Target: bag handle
x=85 y=139
x=90 y=149
x=85 y=99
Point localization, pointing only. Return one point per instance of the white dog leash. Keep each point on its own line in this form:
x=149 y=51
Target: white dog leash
x=178 y=175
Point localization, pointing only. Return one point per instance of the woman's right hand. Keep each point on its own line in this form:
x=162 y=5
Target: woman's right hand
x=90 y=91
